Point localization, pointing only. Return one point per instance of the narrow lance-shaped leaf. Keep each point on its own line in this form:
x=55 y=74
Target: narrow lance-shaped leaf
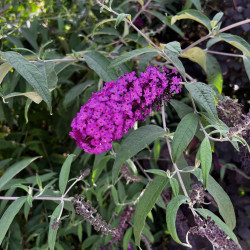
x=236 y=41
x=197 y=4
x=157 y=172
x=64 y=173
x=99 y=63
x=120 y=17
x=184 y=134
x=102 y=22
x=76 y=91
x=14 y=170
x=30 y=73
x=48 y=70
x=146 y=203
x=173 y=46
x=127 y=238
x=127 y=56
x=4 y=69
x=197 y=55
x=31 y=95
x=134 y=143
x=206 y=159
x=202 y=94
x=171 y=213
x=246 y=61
x=9 y=215
x=181 y=108
x=53 y=232
x=213 y=71
x=194 y=15
x=175 y=186
x=224 y=203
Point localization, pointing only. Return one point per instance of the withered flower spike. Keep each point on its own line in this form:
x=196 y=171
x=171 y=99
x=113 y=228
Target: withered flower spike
x=128 y=176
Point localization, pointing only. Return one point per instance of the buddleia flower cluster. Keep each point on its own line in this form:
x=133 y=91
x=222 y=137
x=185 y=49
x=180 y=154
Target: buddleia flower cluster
x=113 y=111
x=217 y=237
x=123 y=225
x=231 y=113
x=88 y=212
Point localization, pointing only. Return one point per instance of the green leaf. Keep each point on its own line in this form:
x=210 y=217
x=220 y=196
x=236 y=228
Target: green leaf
x=146 y=203
x=127 y=238
x=127 y=56
x=206 y=159
x=134 y=143
x=212 y=41
x=202 y=94
x=175 y=186
x=4 y=69
x=64 y=173
x=52 y=232
x=4 y=163
x=181 y=108
x=3 y=203
x=33 y=96
x=157 y=172
x=106 y=31
x=75 y=91
x=171 y=213
x=184 y=134
x=9 y=215
x=177 y=62
x=194 y=15
x=14 y=170
x=100 y=167
x=114 y=195
x=174 y=47
x=246 y=61
x=99 y=63
x=218 y=17
x=120 y=17
x=224 y=203
x=39 y=182
x=27 y=105
x=205 y=213
x=30 y=73
x=236 y=41
x=141 y=2
x=48 y=70
x=197 y=55
x=102 y=22
x=214 y=74
x=90 y=241
x=197 y=4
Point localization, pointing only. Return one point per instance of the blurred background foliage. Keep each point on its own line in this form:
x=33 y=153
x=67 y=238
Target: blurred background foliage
x=66 y=29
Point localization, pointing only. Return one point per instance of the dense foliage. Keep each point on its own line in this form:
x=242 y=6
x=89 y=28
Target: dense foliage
x=148 y=90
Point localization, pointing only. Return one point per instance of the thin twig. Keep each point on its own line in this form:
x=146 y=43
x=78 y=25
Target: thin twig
x=234 y=25
x=12 y=198
x=169 y=150
x=240 y=172
x=141 y=10
x=220 y=31
x=197 y=42
x=142 y=169
x=222 y=53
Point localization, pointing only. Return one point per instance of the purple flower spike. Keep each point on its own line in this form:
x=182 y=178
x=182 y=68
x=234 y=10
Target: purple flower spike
x=112 y=111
